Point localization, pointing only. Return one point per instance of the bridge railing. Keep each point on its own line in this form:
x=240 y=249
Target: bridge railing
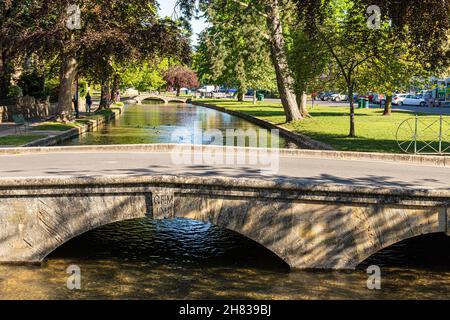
x=425 y=135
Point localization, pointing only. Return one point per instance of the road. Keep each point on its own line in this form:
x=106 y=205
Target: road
x=291 y=168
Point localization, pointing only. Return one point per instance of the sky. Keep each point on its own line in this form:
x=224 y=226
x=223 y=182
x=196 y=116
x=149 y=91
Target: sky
x=167 y=9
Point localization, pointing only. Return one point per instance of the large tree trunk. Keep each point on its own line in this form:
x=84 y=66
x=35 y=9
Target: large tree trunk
x=105 y=95
x=254 y=96
x=5 y=75
x=241 y=95
x=302 y=100
x=283 y=74
x=388 y=105
x=67 y=74
x=178 y=91
x=352 y=133
x=115 y=87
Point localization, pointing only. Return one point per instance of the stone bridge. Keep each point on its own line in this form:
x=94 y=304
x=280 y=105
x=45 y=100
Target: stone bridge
x=151 y=96
x=322 y=210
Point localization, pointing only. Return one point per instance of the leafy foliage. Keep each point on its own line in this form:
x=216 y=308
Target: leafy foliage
x=181 y=76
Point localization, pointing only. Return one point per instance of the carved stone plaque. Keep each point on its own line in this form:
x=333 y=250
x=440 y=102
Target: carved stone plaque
x=163 y=204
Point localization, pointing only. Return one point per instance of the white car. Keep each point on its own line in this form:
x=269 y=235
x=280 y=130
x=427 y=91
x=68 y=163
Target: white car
x=399 y=98
x=409 y=100
x=338 y=97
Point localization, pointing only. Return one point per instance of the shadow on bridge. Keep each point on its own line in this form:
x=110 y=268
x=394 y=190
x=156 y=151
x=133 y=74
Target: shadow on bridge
x=241 y=172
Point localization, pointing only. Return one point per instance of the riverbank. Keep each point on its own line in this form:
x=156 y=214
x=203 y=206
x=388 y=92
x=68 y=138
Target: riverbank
x=328 y=125
x=52 y=133
x=301 y=140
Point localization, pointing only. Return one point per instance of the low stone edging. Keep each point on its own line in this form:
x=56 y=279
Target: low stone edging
x=72 y=133
x=300 y=139
x=440 y=161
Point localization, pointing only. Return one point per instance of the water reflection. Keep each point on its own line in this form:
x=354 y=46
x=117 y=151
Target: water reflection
x=155 y=123
x=184 y=259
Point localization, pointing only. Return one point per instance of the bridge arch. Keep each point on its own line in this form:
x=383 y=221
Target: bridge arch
x=314 y=235
x=155 y=98
x=186 y=224
x=166 y=99
x=411 y=249
x=57 y=220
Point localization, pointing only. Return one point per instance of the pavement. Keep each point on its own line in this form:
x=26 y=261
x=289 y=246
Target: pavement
x=7 y=129
x=443 y=111
x=296 y=168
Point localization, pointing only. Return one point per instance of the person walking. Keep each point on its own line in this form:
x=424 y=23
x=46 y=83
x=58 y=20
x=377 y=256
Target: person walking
x=88 y=103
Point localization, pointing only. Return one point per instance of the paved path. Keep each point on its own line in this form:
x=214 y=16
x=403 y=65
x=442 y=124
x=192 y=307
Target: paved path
x=299 y=169
x=7 y=129
x=443 y=111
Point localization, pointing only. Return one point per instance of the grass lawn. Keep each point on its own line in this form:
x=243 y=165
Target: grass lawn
x=104 y=112
x=18 y=140
x=54 y=126
x=375 y=132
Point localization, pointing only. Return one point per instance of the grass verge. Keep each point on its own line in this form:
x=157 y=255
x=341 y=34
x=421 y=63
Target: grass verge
x=18 y=140
x=329 y=124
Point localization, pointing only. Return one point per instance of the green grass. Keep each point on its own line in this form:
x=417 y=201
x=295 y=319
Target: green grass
x=375 y=132
x=54 y=126
x=18 y=140
x=104 y=112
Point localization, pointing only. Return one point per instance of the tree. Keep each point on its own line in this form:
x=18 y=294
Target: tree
x=111 y=33
x=230 y=54
x=179 y=76
x=401 y=43
x=413 y=48
x=17 y=30
x=310 y=61
x=398 y=68
x=144 y=76
x=271 y=27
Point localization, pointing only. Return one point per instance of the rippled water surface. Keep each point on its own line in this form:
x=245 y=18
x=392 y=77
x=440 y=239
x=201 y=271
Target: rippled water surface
x=185 y=259
x=171 y=123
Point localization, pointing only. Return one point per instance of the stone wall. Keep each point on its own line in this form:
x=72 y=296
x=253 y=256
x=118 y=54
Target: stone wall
x=31 y=108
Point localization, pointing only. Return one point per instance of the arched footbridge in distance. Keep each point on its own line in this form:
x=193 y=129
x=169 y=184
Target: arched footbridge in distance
x=321 y=210
x=152 y=96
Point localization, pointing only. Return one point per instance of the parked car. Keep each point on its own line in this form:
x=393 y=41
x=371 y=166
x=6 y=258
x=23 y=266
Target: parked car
x=410 y=100
x=337 y=97
x=325 y=96
x=399 y=98
x=415 y=101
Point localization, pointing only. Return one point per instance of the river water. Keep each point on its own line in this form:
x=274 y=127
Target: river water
x=185 y=259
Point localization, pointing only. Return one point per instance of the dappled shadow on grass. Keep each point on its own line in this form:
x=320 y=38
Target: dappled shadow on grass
x=338 y=114
x=363 y=144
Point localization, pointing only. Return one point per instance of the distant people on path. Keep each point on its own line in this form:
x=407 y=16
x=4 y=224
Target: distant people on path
x=88 y=103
